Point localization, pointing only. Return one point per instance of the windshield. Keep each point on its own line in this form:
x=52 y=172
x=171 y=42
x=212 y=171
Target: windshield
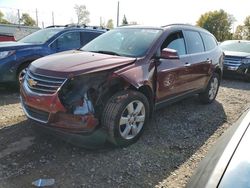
x=236 y=46
x=40 y=36
x=131 y=42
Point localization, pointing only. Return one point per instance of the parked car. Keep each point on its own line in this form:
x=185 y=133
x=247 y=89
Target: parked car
x=6 y=37
x=16 y=56
x=227 y=164
x=237 y=58
x=115 y=82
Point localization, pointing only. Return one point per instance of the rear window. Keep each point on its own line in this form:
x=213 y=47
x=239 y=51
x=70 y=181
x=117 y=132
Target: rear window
x=209 y=41
x=194 y=42
x=88 y=36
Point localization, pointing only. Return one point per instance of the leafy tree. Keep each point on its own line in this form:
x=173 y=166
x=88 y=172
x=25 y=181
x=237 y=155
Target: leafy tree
x=247 y=27
x=239 y=33
x=110 y=24
x=82 y=14
x=219 y=23
x=2 y=20
x=27 y=20
x=124 y=20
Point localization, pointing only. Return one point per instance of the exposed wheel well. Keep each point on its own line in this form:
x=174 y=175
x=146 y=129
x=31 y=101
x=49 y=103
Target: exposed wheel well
x=146 y=90
x=119 y=85
x=218 y=71
x=21 y=66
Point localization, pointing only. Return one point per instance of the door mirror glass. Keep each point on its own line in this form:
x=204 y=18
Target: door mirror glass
x=168 y=53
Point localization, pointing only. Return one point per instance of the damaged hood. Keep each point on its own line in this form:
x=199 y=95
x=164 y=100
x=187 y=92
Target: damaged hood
x=72 y=63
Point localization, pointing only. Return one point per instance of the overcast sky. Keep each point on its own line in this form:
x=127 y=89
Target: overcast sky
x=146 y=12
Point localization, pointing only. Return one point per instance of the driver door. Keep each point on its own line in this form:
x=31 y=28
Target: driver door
x=173 y=75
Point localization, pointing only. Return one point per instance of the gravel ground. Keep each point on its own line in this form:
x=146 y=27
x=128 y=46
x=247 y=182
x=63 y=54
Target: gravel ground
x=176 y=139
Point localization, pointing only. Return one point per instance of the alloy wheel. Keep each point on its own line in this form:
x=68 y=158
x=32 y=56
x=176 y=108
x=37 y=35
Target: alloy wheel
x=213 y=88
x=132 y=120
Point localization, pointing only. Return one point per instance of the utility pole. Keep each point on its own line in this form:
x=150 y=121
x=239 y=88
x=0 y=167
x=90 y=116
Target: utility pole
x=118 y=11
x=19 y=19
x=53 y=23
x=36 y=17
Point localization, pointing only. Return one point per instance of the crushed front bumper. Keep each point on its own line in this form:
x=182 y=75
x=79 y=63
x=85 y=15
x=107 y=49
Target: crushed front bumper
x=242 y=71
x=47 y=109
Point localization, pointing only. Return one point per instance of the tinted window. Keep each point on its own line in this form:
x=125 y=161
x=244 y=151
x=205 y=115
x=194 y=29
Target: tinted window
x=175 y=41
x=68 y=41
x=209 y=41
x=194 y=42
x=88 y=36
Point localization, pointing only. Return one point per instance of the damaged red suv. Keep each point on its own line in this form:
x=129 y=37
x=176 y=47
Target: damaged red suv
x=116 y=81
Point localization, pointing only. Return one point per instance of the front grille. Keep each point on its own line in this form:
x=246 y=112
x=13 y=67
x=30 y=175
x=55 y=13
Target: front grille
x=231 y=61
x=43 y=84
x=36 y=114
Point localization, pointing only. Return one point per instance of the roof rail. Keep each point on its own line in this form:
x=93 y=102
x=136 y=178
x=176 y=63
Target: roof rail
x=85 y=26
x=51 y=26
x=79 y=26
x=177 y=24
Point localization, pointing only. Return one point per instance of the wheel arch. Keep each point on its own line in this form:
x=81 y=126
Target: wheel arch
x=218 y=71
x=120 y=84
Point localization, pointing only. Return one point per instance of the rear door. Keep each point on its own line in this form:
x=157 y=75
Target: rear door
x=173 y=75
x=199 y=60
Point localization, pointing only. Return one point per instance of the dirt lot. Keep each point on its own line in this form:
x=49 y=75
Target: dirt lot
x=176 y=139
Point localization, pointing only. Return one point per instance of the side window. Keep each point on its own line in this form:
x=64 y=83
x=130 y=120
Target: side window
x=209 y=41
x=194 y=42
x=175 y=41
x=86 y=37
x=68 y=41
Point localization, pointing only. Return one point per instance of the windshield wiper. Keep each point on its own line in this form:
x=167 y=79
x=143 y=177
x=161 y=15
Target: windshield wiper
x=106 y=52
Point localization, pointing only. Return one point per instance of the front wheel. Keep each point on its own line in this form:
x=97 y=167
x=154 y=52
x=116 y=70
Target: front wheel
x=209 y=95
x=125 y=116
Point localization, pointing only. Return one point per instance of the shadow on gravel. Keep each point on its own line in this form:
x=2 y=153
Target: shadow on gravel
x=172 y=136
x=8 y=96
x=235 y=84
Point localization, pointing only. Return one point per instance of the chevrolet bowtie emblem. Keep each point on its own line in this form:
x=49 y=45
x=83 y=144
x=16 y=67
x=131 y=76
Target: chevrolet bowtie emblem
x=32 y=82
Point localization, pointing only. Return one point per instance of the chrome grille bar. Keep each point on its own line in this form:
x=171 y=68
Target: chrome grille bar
x=43 y=84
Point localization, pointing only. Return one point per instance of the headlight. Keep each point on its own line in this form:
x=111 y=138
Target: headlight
x=5 y=54
x=246 y=61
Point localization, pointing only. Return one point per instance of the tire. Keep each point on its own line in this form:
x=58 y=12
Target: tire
x=21 y=72
x=209 y=95
x=133 y=106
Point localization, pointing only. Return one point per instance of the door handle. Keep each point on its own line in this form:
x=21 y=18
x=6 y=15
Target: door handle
x=187 y=64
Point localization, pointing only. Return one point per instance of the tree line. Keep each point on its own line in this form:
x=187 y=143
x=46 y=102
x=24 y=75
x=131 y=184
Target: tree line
x=25 y=19
x=218 y=22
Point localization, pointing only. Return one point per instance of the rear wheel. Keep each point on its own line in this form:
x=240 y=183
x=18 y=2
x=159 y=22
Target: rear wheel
x=209 y=95
x=125 y=116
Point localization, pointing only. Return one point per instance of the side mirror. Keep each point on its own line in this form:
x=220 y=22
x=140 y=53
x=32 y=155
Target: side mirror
x=168 y=53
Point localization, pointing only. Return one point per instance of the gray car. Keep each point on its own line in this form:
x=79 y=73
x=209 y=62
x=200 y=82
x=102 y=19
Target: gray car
x=228 y=163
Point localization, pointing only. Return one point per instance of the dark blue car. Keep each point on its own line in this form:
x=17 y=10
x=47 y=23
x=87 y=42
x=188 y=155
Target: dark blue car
x=16 y=56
